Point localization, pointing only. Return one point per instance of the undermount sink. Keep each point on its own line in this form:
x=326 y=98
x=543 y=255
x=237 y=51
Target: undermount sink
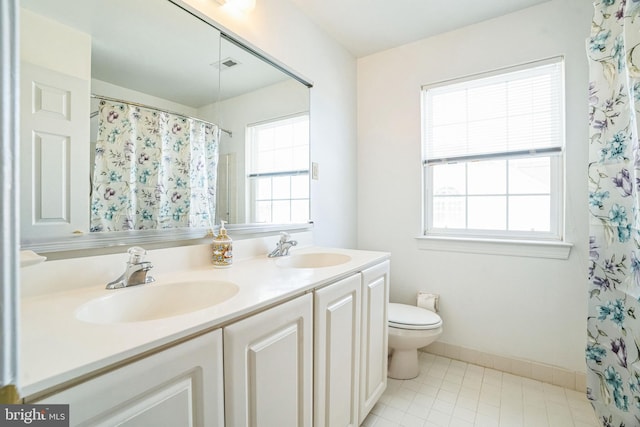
x=155 y=301
x=313 y=260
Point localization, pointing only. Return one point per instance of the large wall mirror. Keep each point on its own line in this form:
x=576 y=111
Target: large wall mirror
x=146 y=124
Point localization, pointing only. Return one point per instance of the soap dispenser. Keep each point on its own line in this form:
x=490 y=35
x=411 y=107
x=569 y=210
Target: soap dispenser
x=222 y=248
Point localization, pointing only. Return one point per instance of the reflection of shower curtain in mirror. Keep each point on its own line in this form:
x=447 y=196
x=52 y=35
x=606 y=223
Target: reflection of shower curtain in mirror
x=153 y=170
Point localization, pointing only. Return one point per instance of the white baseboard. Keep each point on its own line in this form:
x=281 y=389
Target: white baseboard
x=525 y=368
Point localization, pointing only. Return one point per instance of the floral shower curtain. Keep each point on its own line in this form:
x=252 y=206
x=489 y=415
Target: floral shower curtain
x=152 y=170
x=613 y=325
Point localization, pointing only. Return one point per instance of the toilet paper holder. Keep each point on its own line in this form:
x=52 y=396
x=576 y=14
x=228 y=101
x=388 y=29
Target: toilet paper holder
x=429 y=301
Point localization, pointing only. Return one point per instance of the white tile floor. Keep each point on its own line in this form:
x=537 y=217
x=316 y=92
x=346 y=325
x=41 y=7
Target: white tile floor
x=450 y=393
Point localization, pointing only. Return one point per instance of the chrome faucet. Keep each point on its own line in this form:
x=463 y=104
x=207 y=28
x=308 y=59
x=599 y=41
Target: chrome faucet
x=283 y=246
x=136 y=271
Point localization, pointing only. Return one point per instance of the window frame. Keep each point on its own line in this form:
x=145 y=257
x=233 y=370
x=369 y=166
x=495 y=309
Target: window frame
x=252 y=177
x=555 y=155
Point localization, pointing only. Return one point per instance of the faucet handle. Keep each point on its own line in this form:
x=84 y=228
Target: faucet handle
x=136 y=253
x=284 y=236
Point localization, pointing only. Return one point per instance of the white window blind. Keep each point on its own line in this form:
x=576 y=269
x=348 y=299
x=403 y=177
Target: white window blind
x=279 y=147
x=512 y=113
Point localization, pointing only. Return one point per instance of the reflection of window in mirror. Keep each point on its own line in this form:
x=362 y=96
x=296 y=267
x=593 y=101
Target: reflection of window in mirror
x=278 y=170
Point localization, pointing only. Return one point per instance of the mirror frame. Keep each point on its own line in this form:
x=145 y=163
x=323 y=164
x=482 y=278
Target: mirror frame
x=88 y=244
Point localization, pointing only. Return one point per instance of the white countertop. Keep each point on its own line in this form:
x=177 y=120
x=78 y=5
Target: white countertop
x=56 y=347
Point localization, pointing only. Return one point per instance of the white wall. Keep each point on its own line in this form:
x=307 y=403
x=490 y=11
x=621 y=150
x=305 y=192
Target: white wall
x=281 y=30
x=516 y=307
x=49 y=44
x=100 y=87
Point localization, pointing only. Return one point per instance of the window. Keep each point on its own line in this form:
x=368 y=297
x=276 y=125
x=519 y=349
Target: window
x=278 y=170
x=493 y=149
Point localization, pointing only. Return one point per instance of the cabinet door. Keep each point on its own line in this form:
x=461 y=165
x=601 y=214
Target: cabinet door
x=337 y=353
x=180 y=386
x=373 y=361
x=268 y=367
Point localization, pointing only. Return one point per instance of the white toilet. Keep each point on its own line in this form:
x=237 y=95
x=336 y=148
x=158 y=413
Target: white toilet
x=410 y=328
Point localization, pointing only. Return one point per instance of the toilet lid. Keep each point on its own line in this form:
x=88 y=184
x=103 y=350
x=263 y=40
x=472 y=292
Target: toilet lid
x=405 y=316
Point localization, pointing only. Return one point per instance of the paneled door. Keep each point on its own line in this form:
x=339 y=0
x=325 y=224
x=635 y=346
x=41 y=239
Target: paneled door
x=54 y=152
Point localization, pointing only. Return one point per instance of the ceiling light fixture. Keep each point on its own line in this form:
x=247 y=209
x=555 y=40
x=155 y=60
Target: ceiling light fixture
x=244 y=6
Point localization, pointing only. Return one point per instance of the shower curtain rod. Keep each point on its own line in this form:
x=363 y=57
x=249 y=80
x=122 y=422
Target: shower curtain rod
x=106 y=98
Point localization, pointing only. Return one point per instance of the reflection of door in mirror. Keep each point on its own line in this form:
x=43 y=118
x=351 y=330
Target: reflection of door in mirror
x=55 y=84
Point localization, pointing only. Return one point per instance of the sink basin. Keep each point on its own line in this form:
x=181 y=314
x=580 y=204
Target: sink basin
x=313 y=260
x=155 y=301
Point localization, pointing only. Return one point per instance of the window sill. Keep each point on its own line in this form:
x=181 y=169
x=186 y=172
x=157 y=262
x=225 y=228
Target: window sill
x=522 y=248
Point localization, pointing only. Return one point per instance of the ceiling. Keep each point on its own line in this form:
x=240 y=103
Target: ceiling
x=369 y=26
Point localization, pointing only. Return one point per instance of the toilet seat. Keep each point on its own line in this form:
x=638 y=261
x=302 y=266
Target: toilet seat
x=403 y=316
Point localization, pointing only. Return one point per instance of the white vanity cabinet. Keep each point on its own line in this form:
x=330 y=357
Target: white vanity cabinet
x=350 y=354
x=268 y=364
x=374 y=338
x=337 y=353
x=317 y=359
x=179 y=386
